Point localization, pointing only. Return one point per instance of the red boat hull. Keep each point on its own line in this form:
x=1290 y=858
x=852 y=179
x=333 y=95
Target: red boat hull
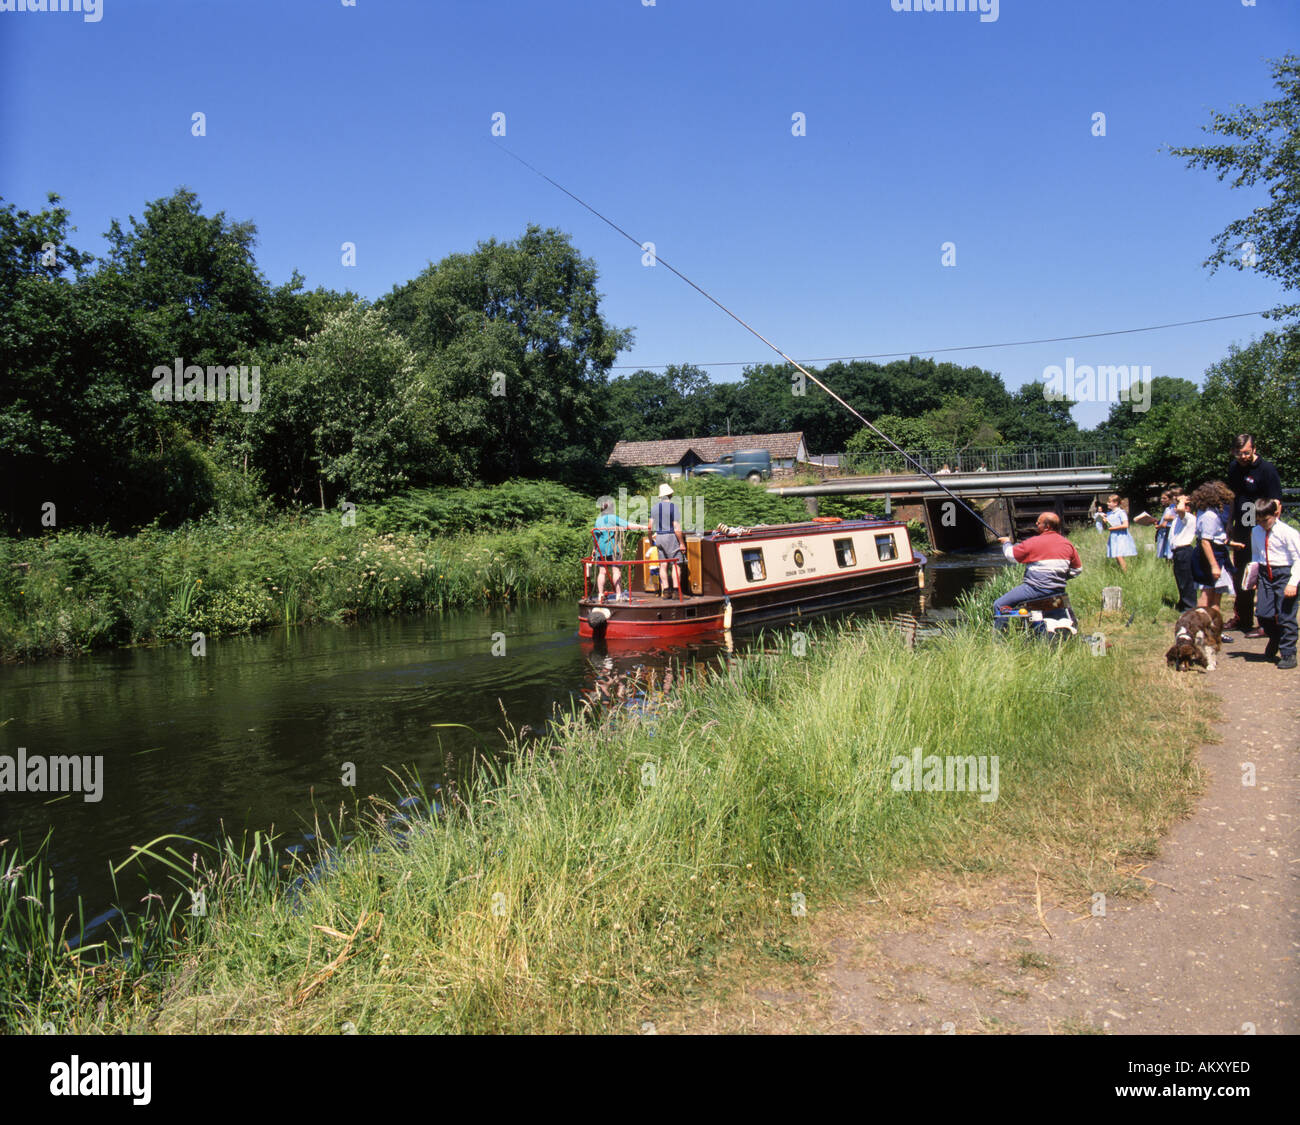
x=624 y=629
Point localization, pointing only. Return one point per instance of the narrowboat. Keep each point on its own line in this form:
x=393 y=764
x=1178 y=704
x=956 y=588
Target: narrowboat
x=744 y=575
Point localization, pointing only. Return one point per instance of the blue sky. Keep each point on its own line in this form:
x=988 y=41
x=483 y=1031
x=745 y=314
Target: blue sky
x=372 y=124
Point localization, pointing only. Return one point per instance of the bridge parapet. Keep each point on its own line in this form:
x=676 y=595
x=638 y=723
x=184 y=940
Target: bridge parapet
x=900 y=486
x=993 y=459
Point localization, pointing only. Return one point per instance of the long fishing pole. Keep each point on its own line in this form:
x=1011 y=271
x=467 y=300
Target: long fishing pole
x=749 y=328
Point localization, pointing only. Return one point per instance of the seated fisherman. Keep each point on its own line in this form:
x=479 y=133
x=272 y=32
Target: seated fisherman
x=607 y=527
x=1049 y=558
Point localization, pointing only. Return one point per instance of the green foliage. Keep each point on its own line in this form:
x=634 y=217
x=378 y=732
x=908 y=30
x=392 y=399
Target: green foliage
x=351 y=406
x=502 y=507
x=775 y=398
x=960 y=422
x=1255 y=389
x=910 y=433
x=77 y=590
x=190 y=281
x=1032 y=419
x=347 y=416
x=1268 y=152
x=34 y=958
x=75 y=420
x=653 y=405
x=512 y=336
x=1167 y=395
x=851 y=507
x=943 y=433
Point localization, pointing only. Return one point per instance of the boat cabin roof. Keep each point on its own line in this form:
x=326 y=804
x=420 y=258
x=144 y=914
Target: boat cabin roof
x=777 y=530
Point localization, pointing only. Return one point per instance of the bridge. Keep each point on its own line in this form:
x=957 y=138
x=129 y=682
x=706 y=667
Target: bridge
x=1010 y=495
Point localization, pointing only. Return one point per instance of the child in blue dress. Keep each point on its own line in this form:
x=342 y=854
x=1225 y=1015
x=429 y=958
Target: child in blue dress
x=1119 y=541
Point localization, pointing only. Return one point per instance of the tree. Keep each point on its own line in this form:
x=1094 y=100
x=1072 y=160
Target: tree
x=1269 y=237
x=192 y=280
x=190 y=285
x=1124 y=420
x=909 y=433
x=652 y=405
x=78 y=428
x=961 y=422
x=513 y=334
x=1033 y=419
x=348 y=417
x=1255 y=389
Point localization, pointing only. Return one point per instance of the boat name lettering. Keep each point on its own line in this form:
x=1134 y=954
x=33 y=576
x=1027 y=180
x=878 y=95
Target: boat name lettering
x=795 y=554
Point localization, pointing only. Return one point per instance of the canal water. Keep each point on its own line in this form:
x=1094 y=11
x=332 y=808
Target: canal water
x=261 y=731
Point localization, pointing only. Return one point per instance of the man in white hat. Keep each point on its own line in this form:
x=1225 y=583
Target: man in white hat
x=666 y=522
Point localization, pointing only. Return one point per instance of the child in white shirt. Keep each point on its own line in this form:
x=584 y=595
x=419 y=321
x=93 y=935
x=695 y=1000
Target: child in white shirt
x=1275 y=549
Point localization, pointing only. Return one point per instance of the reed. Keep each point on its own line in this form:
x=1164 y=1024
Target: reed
x=77 y=591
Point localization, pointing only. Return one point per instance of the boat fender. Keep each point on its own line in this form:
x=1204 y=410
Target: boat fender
x=598 y=618
x=726 y=614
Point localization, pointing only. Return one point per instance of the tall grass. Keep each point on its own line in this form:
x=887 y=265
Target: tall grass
x=84 y=590
x=49 y=974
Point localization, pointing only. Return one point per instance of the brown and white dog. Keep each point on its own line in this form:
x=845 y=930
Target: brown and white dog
x=1196 y=640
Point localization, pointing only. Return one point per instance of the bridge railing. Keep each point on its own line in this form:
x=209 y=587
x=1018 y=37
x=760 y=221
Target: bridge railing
x=993 y=459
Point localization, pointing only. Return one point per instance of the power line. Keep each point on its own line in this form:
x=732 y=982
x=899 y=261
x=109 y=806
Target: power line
x=937 y=351
x=754 y=332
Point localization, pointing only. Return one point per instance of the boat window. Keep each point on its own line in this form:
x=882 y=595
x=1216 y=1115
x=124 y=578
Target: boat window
x=754 y=569
x=844 y=552
x=886 y=548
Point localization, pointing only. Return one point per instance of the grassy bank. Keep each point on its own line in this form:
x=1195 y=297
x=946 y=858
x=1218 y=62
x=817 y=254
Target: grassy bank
x=614 y=865
x=79 y=590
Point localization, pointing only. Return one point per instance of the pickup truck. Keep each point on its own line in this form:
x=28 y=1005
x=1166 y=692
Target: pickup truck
x=752 y=465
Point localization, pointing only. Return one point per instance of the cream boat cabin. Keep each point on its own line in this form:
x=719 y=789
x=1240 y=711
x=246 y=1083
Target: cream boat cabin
x=744 y=575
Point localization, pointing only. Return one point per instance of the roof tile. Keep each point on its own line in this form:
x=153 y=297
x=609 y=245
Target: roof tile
x=671 y=451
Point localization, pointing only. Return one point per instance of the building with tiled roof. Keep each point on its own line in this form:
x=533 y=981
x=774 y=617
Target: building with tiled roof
x=676 y=456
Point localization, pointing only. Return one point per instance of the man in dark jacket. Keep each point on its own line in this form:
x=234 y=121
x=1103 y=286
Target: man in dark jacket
x=1251 y=478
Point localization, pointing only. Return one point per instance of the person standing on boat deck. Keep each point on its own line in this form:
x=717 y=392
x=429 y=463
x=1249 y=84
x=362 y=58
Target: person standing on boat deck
x=1250 y=478
x=606 y=548
x=670 y=541
x=1049 y=558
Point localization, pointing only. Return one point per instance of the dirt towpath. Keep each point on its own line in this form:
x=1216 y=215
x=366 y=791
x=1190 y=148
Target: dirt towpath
x=1214 y=948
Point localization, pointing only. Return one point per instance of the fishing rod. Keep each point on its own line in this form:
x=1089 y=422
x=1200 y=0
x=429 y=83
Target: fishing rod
x=753 y=331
